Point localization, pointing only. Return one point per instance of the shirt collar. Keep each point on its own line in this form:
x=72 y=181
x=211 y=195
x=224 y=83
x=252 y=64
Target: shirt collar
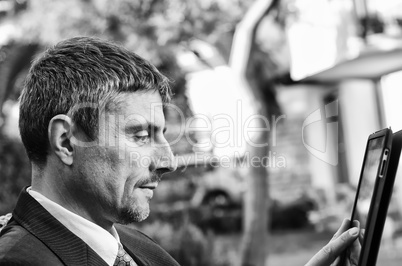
x=104 y=243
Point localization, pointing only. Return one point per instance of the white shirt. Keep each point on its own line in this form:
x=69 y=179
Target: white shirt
x=105 y=244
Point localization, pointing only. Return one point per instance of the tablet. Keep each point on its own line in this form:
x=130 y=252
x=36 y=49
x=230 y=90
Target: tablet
x=374 y=190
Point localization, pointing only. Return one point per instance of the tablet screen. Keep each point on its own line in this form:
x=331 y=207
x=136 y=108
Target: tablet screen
x=367 y=183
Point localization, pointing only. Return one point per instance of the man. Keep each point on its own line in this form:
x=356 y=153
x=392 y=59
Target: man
x=92 y=123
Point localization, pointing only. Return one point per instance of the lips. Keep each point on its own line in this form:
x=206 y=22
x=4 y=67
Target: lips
x=151 y=186
x=150 y=182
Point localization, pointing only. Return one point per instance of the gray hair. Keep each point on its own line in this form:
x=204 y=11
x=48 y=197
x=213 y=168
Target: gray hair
x=78 y=71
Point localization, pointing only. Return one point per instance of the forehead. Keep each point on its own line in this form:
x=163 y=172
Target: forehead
x=142 y=106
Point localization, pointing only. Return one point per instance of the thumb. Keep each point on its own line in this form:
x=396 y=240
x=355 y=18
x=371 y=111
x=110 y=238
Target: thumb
x=334 y=248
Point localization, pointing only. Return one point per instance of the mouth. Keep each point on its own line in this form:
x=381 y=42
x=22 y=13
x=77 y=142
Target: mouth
x=150 y=183
x=150 y=186
x=148 y=189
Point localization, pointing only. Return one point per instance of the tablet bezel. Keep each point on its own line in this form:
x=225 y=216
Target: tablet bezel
x=370 y=243
x=379 y=204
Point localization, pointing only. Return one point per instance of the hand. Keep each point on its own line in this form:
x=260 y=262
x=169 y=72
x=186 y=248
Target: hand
x=343 y=238
x=353 y=252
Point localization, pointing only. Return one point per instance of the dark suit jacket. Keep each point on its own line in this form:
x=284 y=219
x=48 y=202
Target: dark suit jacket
x=34 y=237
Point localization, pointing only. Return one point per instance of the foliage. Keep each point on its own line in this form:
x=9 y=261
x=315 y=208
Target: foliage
x=14 y=172
x=152 y=28
x=149 y=27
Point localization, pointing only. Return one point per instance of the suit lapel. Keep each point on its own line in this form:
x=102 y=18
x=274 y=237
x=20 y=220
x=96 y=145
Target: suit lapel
x=40 y=223
x=142 y=249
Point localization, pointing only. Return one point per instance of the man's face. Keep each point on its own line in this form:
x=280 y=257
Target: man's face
x=122 y=171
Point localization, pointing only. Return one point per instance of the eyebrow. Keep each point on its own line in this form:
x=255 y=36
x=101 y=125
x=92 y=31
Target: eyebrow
x=148 y=126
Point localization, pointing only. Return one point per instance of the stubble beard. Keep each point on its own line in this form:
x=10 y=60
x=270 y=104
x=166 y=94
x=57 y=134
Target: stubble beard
x=140 y=211
x=133 y=215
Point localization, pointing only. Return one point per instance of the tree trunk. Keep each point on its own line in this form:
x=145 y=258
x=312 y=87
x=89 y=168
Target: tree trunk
x=254 y=250
x=256 y=205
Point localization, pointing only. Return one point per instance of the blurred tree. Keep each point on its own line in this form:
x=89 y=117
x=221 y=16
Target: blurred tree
x=149 y=27
x=257 y=72
x=15 y=172
x=152 y=28
x=14 y=61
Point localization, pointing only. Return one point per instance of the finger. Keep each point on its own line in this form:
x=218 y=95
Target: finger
x=334 y=248
x=344 y=226
x=361 y=236
x=356 y=223
x=354 y=253
x=336 y=261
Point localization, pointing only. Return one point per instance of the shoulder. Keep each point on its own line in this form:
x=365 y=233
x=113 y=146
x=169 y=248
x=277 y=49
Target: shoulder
x=144 y=247
x=19 y=247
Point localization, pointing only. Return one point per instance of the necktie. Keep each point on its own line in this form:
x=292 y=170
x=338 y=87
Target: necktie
x=123 y=259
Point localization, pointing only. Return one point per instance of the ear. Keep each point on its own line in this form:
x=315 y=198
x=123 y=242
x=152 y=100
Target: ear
x=59 y=130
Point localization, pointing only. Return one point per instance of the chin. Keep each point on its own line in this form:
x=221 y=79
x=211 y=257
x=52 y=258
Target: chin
x=130 y=215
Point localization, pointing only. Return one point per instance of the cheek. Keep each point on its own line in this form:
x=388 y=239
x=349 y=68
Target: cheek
x=143 y=158
x=111 y=158
x=131 y=179
x=107 y=169
x=138 y=162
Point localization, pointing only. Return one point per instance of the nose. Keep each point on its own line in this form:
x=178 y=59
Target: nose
x=166 y=162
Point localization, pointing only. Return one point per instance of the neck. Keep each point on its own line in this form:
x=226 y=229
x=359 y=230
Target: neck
x=54 y=186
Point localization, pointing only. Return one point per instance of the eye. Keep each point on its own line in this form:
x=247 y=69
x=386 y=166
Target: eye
x=142 y=136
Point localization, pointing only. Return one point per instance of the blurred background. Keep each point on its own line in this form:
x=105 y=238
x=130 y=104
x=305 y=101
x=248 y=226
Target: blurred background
x=318 y=76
